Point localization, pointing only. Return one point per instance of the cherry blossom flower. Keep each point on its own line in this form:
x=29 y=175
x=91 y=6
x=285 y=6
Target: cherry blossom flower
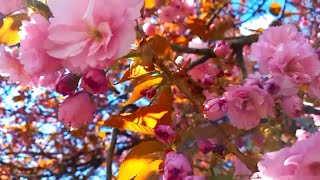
x=300 y=161
x=34 y=56
x=292 y=105
x=314 y=88
x=91 y=33
x=247 y=105
x=176 y=166
x=11 y=65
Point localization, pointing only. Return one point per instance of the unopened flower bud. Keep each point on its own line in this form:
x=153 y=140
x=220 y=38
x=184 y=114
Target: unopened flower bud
x=222 y=49
x=164 y=133
x=67 y=84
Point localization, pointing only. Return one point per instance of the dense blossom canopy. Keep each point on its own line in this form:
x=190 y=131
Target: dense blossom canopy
x=160 y=89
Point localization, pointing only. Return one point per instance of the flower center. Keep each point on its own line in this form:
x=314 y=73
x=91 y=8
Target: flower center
x=97 y=35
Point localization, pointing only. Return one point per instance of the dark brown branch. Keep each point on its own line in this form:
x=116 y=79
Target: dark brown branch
x=311 y=110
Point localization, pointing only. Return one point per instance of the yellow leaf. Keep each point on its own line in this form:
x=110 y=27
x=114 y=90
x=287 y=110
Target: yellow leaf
x=151 y=81
x=122 y=123
x=275 y=8
x=134 y=72
x=10 y=28
x=151 y=173
x=42 y=162
x=140 y=158
x=149 y=4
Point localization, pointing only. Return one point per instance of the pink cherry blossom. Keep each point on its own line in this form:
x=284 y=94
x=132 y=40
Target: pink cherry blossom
x=247 y=105
x=50 y=80
x=200 y=71
x=78 y=109
x=284 y=52
x=13 y=67
x=175 y=9
x=95 y=81
x=91 y=33
x=176 y=166
x=11 y=6
x=314 y=88
x=292 y=105
x=215 y=108
x=298 y=62
x=300 y=161
x=34 y=57
x=164 y=133
x=167 y=14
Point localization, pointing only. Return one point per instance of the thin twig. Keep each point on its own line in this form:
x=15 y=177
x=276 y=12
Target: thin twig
x=110 y=154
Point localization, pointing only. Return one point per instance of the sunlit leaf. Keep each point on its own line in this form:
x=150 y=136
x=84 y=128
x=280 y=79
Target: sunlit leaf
x=149 y=4
x=275 y=8
x=151 y=173
x=139 y=162
x=150 y=81
x=122 y=123
x=10 y=28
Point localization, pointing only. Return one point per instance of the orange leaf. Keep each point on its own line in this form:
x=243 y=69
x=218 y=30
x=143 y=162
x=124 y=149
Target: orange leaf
x=275 y=8
x=134 y=72
x=197 y=27
x=152 y=171
x=10 y=28
x=122 y=123
x=142 y=160
x=150 y=81
x=149 y=4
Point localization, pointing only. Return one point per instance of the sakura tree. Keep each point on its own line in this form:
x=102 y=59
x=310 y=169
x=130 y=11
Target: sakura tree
x=160 y=89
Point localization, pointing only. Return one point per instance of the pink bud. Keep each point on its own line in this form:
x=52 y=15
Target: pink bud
x=77 y=110
x=176 y=166
x=143 y=92
x=271 y=86
x=292 y=105
x=222 y=49
x=164 y=133
x=208 y=80
x=215 y=108
x=220 y=73
x=95 y=81
x=151 y=92
x=205 y=146
x=67 y=84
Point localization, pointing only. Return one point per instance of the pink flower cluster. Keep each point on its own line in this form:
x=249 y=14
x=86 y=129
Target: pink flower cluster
x=83 y=36
x=243 y=105
x=300 y=161
x=175 y=9
x=287 y=55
